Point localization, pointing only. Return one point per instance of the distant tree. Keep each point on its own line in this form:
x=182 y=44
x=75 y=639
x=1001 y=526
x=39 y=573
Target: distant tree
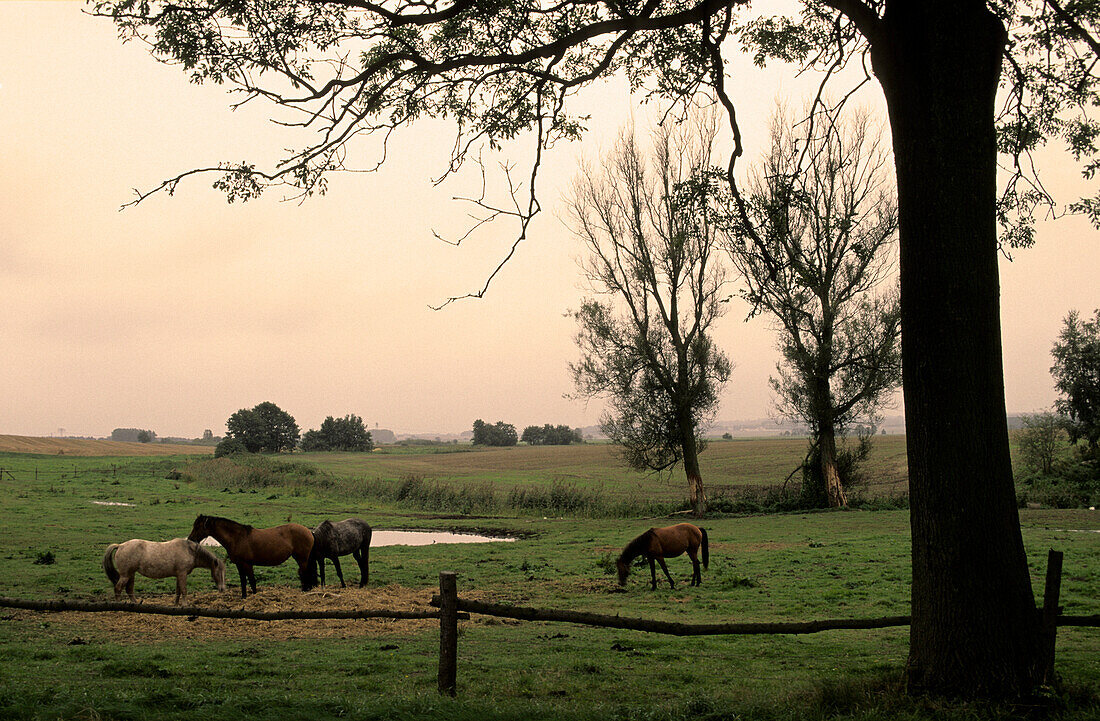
x=265 y=428
x=1076 y=372
x=548 y=435
x=646 y=345
x=498 y=434
x=823 y=201
x=208 y=435
x=133 y=435
x=339 y=434
x=1039 y=439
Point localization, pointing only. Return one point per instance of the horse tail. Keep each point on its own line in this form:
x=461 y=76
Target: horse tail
x=706 y=548
x=109 y=563
x=307 y=572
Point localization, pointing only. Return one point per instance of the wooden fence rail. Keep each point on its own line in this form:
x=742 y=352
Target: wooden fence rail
x=670 y=627
x=83 y=606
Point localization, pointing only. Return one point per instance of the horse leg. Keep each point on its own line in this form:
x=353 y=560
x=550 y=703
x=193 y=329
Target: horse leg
x=305 y=568
x=119 y=585
x=671 y=583
x=244 y=570
x=339 y=573
x=252 y=578
x=321 y=569
x=130 y=588
x=653 y=572
x=362 y=557
x=696 y=574
x=181 y=587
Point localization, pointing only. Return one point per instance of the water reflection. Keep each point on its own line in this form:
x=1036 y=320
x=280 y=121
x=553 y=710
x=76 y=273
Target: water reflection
x=426 y=538
x=411 y=538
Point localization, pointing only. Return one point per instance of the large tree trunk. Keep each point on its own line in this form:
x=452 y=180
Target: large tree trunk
x=697 y=496
x=975 y=627
x=834 y=492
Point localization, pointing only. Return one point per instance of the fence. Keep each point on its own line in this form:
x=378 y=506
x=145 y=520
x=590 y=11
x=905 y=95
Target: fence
x=61 y=474
x=452 y=609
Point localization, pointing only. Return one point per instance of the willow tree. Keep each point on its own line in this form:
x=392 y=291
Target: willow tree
x=822 y=202
x=652 y=262
x=507 y=69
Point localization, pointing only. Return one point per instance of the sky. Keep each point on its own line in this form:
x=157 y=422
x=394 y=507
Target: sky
x=173 y=314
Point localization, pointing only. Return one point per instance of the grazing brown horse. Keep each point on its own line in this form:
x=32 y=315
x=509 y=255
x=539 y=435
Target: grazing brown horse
x=247 y=547
x=657 y=544
x=177 y=557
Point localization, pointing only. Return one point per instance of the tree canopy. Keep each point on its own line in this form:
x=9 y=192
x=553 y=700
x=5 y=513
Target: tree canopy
x=264 y=428
x=339 y=434
x=823 y=199
x=550 y=435
x=1076 y=372
x=496 y=434
x=645 y=335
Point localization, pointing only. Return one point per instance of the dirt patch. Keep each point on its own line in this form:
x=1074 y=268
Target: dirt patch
x=137 y=628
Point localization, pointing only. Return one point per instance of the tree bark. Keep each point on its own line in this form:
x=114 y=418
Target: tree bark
x=834 y=492
x=975 y=630
x=697 y=495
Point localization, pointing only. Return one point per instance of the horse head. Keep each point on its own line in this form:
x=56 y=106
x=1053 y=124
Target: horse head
x=624 y=570
x=200 y=530
x=217 y=572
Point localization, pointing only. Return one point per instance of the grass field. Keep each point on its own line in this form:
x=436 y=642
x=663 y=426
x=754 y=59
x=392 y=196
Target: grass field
x=91 y=447
x=797 y=566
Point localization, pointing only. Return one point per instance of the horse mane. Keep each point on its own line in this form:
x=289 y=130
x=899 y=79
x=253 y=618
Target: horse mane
x=200 y=552
x=636 y=547
x=230 y=521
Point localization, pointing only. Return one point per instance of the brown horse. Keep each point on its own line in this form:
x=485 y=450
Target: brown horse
x=661 y=543
x=247 y=547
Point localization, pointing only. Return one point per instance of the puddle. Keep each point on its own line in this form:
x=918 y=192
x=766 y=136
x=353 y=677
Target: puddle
x=412 y=538
x=426 y=538
x=112 y=503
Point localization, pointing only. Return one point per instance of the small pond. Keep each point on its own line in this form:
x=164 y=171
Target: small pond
x=414 y=538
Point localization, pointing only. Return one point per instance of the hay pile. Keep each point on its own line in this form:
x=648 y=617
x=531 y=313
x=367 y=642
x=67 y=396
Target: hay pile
x=133 y=627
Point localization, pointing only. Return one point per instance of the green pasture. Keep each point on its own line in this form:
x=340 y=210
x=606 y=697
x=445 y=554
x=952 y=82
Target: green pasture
x=780 y=567
x=727 y=466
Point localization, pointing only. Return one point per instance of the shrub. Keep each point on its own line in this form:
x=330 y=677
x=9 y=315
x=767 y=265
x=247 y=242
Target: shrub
x=1040 y=440
x=848 y=460
x=250 y=472
x=561 y=498
x=229 y=446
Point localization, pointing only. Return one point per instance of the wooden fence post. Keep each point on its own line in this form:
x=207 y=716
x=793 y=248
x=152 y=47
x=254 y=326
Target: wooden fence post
x=1051 y=611
x=448 y=632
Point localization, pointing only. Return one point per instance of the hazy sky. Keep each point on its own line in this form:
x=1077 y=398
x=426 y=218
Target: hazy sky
x=176 y=313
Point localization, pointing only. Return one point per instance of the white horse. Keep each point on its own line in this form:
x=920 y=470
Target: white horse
x=177 y=557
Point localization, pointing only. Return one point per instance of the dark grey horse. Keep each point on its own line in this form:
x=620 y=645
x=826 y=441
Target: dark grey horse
x=332 y=540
